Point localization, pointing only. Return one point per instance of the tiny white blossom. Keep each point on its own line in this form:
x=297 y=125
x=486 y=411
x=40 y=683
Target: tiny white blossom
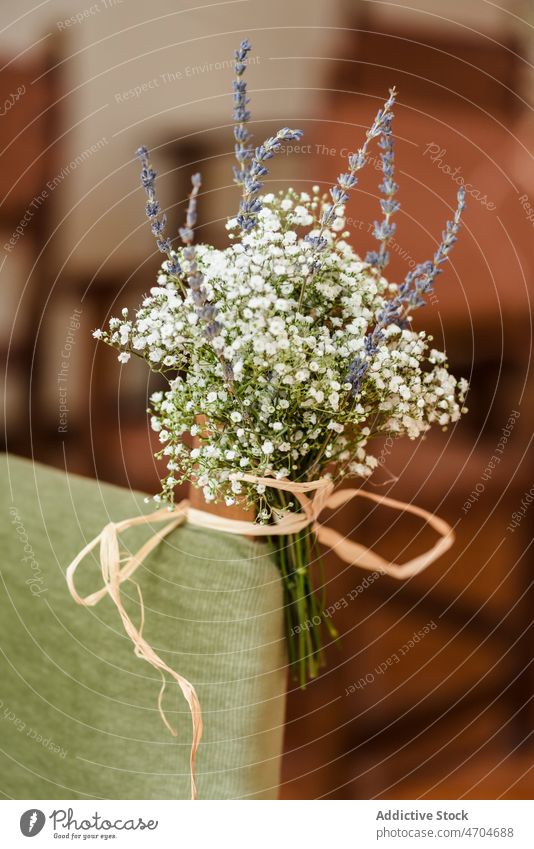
x=270 y=352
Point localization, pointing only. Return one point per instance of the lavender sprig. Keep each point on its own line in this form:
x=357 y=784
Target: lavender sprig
x=418 y=282
x=384 y=230
x=410 y=296
x=345 y=182
x=242 y=149
x=360 y=365
x=158 y=220
x=205 y=310
x=187 y=233
x=195 y=279
x=250 y=203
x=348 y=180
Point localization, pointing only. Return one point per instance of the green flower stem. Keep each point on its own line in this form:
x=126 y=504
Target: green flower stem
x=303 y=608
x=283 y=566
x=330 y=627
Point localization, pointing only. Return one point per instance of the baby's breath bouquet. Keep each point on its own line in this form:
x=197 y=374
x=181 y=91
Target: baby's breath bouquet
x=285 y=353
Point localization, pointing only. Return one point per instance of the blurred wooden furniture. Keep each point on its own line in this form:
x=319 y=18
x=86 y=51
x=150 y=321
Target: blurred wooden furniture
x=463 y=694
x=29 y=122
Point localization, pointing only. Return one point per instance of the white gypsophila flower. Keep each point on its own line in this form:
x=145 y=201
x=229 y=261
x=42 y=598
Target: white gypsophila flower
x=265 y=387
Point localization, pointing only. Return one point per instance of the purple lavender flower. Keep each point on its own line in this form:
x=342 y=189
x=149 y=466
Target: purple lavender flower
x=242 y=149
x=206 y=311
x=360 y=365
x=187 y=233
x=348 y=180
x=410 y=296
x=418 y=282
x=250 y=203
x=158 y=220
x=251 y=169
x=384 y=230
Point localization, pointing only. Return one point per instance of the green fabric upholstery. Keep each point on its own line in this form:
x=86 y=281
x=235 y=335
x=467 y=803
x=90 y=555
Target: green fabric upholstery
x=78 y=710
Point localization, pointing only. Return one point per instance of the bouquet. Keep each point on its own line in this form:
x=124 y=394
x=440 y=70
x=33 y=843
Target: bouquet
x=285 y=353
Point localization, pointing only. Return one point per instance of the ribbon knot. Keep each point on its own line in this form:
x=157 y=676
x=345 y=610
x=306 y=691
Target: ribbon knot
x=113 y=574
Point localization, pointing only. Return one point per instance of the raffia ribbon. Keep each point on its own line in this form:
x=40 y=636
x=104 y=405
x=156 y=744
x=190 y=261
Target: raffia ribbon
x=114 y=574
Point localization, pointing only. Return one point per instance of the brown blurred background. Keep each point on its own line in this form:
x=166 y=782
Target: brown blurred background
x=82 y=85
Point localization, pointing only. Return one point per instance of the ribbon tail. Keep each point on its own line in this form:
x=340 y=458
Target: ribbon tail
x=145 y=651
x=358 y=555
x=113 y=575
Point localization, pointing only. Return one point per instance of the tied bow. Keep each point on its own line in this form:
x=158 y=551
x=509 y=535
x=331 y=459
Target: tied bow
x=324 y=497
